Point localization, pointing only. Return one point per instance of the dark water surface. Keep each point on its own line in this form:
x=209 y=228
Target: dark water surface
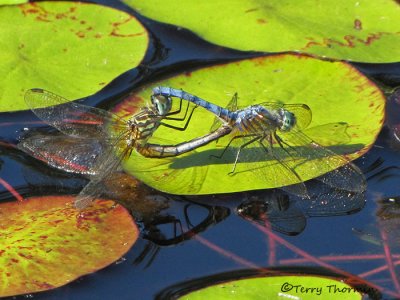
x=205 y=236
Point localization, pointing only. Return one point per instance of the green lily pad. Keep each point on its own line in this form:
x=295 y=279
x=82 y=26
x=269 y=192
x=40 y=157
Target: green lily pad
x=12 y=2
x=47 y=243
x=364 y=31
x=279 y=287
x=343 y=102
x=71 y=48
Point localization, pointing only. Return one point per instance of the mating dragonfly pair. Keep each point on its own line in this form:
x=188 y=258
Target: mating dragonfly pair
x=263 y=124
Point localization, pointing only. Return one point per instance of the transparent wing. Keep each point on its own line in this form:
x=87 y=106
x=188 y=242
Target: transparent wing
x=329 y=134
x=291 y=221
x=72 y=118
x=348 y=177
x=70 y=154
x=301 y=111
x=232 y=106
x=266 y=159
x=95 y=158
x=105 y=167
x=170 y=174
x=326 y=200
x=276 y=158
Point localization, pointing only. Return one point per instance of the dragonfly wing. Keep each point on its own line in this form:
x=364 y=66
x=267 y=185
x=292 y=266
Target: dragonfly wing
x=341 y=173
x=105 y=167
x=107 y=164
x=70 y=154
x=329 y=201
x=232 y=106
x=286 y=169
x=72 y=118
x=266 y=160
x=302 y=112
x=291 y=221
x=92 y=191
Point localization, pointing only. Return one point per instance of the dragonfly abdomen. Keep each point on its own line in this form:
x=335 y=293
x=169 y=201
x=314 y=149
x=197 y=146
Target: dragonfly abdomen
x=217 y=110
x=160 y=151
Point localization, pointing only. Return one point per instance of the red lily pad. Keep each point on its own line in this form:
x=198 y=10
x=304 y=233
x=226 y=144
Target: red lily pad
x=47 y=243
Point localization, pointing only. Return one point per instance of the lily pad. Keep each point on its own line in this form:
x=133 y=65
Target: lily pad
x=335 y=91
x=71 y=48
x=11 y=2
x=279 y=287
x=364 y=31
x=47 y=243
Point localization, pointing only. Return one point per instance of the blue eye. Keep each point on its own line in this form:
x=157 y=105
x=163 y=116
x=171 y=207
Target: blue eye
x=162 y=104
x=288 y=121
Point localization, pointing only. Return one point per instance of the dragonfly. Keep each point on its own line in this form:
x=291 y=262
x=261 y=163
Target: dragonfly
x=99 y=140
x=277 y=129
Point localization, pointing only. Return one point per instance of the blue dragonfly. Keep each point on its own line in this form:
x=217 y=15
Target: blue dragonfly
x=277 y=131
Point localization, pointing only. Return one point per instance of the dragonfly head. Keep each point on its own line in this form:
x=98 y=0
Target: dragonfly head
x=162 y=104
x=288 y=120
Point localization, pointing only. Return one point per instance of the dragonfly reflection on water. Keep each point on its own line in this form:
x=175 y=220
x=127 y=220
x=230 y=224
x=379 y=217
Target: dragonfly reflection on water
x=278 y=130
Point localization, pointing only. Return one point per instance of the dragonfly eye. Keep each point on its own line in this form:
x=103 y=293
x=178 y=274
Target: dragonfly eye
x=288 y=120
x=162 y=104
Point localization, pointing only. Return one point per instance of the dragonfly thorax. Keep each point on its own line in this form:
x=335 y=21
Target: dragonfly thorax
x=260 y=119
x=142 y=126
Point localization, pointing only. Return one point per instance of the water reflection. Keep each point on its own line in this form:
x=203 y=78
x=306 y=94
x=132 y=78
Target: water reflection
x=277 y=211
x=183 y=222
x=287 y=213
x=392 y=118
x=388 y=214
x=180 y=222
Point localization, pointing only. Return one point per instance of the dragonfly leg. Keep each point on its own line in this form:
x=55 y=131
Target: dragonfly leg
x=177 y=112
x=270 y=141
x=177 y=226
x=227 y=146
x=180 y=128
x=281 y=142
x=186 y=214
x=257 y=137
x=262 y=144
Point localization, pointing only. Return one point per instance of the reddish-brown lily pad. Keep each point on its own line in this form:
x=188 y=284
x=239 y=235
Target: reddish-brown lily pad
x=47 y=243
